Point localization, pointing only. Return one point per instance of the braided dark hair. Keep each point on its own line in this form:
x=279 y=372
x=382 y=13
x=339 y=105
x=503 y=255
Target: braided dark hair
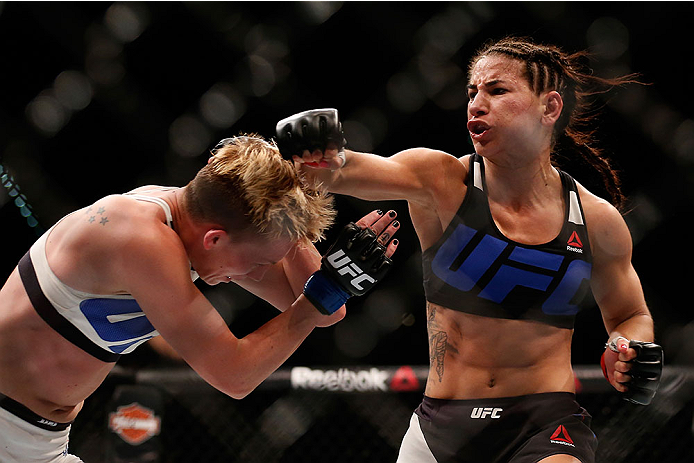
x=548 y=68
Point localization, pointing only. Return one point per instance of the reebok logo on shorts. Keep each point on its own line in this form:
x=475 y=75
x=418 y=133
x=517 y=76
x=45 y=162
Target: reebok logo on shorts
x=561 y=436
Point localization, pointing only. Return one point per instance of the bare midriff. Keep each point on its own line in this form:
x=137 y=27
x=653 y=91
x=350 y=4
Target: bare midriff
x=476 y=357
x=38 y=367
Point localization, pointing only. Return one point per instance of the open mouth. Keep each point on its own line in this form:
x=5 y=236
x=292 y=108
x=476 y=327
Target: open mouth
x=477 y=128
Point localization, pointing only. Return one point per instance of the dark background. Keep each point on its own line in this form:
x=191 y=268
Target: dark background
x=98 y=98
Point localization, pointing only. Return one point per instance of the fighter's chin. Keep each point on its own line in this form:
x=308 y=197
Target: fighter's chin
x=214 y=280
x=232 y=279
x=483 y=149
x=478 y=145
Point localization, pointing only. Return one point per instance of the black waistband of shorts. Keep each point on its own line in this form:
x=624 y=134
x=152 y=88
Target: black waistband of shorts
x=30 y=417
x=500 y=401
x=552 y=403
x=51 y=316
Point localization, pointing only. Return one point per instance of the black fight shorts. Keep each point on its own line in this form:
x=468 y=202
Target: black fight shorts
x=522 y=429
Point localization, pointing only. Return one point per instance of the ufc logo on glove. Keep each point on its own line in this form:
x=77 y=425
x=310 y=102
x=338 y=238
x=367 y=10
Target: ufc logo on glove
x=344 y=265
x=351 y=267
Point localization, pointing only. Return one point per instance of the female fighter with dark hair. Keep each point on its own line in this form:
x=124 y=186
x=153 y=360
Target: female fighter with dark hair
x=510 y=245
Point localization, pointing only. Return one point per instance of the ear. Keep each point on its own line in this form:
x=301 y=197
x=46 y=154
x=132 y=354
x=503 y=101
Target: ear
x=553 y=105
x=213 y=237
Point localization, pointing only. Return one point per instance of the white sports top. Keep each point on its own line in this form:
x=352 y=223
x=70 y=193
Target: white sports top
x=104 y=325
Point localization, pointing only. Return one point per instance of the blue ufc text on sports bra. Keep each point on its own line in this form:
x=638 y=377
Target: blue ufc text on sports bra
x=474 y=268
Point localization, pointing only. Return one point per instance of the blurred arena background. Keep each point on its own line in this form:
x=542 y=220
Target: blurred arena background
x=97 y=98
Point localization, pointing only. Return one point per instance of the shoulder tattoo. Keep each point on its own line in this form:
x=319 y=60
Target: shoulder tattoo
x=96 y=216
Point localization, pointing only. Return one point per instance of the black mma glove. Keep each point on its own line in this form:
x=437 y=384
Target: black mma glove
x=310 y=130
x=646 y=371
x=351 y=267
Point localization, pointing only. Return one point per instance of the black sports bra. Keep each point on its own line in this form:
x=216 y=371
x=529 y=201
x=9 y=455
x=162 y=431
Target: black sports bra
x=474 y=268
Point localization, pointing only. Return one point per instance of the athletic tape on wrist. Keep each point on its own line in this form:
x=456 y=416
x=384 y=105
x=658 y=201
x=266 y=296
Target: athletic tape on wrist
x=324 y=293
x=612 y=345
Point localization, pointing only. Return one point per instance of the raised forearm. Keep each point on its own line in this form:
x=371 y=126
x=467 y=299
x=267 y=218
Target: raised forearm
x=260 y=353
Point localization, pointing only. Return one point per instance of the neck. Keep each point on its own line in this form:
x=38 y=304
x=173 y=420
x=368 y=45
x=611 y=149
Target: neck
x=521 y=184
x=177 y=201
x=183 y=224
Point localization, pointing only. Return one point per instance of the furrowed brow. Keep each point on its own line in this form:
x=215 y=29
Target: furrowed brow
x=491 y=83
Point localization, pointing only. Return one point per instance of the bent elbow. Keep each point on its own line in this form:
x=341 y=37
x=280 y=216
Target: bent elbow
x=238 y=391
x=238 y=395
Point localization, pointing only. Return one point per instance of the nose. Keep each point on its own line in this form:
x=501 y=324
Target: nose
x=477 y=106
